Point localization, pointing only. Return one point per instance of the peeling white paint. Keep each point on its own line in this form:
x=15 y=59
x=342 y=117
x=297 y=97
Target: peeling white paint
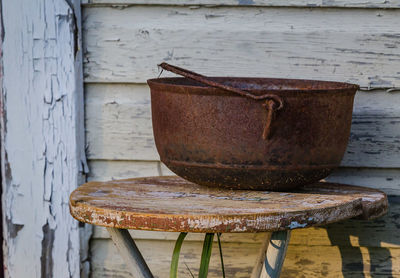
x=43 y=156
x=295 y=225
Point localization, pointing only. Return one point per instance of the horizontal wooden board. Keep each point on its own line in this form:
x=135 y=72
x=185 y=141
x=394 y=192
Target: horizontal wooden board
x=106 y=261
x=119 y=117
x=316 y=261
x=387 y=180
x=103 y=170
x=374 y=142
x=270 y=3
x=118 y=126
x=355 y=45
x=301 y=261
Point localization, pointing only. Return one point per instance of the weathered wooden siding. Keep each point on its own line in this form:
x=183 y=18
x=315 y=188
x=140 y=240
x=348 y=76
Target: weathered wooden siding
x=340 y=40
x=305 y=261
x=332 y=44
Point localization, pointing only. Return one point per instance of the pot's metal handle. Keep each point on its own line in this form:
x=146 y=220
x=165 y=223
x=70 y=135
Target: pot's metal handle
x=273 y=103
x=270 y=105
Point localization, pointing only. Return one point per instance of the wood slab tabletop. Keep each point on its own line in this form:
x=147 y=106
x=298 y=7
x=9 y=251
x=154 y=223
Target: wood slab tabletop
x=174 y=204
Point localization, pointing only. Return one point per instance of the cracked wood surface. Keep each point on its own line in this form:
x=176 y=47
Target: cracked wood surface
x=43 y=156
x=174 y=204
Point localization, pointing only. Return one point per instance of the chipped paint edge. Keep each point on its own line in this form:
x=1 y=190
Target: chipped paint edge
x=215 y=223
x=65 y=18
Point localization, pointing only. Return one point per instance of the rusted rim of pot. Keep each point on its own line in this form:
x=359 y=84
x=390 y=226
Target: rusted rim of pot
x=255 y=85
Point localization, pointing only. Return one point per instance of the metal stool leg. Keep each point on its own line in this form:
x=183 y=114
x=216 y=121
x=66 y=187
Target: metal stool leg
x=259 y=266
x=271 y=256
x=129 y=251
x=276 y=253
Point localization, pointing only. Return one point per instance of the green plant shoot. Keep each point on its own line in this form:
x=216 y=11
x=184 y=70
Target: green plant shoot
x=206 y=255
x=175 y=256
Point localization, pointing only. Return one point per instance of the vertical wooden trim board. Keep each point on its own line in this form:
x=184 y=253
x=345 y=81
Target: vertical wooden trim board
x=1 y=142
x=43 y=156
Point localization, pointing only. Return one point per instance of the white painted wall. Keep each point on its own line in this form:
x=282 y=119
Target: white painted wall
x=42 y=157
x=355 y=41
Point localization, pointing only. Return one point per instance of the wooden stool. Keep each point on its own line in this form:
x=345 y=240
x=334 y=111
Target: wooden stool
x=173 y=204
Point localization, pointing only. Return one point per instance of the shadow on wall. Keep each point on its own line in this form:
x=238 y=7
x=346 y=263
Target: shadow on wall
x=371 y=236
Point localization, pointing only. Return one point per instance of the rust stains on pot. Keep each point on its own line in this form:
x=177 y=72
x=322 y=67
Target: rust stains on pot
x=291 y=133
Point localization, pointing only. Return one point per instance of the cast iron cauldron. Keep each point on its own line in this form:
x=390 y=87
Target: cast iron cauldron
x=250 y=133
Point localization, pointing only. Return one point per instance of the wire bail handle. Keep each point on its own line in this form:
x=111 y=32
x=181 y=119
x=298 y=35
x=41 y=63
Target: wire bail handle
x=272 y=104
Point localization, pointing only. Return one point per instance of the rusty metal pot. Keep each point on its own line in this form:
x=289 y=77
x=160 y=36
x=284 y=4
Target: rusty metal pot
x=250 y=133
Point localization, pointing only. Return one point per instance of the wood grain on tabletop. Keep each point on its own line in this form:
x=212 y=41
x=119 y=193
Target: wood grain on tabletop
x=185 y=206
x=350 y=233
x=384 y=179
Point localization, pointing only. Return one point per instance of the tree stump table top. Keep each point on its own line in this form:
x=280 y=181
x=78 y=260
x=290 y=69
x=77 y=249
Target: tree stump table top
x=174 y=204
